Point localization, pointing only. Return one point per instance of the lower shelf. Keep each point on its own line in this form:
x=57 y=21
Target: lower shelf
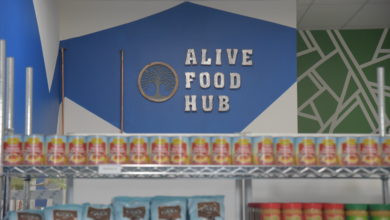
x=195 y=171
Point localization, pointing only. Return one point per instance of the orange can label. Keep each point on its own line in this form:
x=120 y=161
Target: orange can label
x=160 y=151
x=180 y=151
x=139 y=153
x=77 y=151
x=118 y=151
x=306 y=151
x=328 y=152
x=221 y=152
x=200 y=151
x=263 y=151
x=34 y=153
x=97 y=151
x=348 y=151
x=386 y=152
x=56 y=151
x=285 y=151
x=369 y=152
x=13 y=150
x=242 y=151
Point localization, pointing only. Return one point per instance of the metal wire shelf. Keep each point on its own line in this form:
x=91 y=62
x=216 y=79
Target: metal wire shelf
x=198 y=171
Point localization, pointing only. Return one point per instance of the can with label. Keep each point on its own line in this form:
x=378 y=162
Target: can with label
x=292 y=211
x=13 y=150
x=369 y=151
x=180 y=150
x=333 y=211
x=139 y=150
x=284 y=150
x=348 y=151
x=34 y=150
x=221 y=153
x=379 y=211
x=77 y=150
x=97 y=150
x=57 y=152
x=327 y=151
x=306 y=151
x=386 y=150
x=159 y=150
x=119 y=151
x=242 y=151
x=312 y=211
x=270 y=211
x=263 y=151
x=201 y=150
x=356 y=212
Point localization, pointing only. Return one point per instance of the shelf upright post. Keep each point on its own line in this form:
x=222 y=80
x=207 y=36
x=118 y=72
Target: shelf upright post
x=382 y=129
x=28 y=128
x=9 y=105
x=243 y=196
x=2 y=96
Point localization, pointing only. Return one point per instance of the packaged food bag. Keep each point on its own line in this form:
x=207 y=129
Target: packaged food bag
x=168 y=208
x=97 y=212
x=131 y=208
x=206 y=208
x=25 y=215
x=64 y=212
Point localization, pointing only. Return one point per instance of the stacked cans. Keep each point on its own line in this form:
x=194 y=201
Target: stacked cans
x=201 y=150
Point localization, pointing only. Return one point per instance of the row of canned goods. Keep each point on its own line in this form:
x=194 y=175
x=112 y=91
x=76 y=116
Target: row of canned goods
x=221 y=150
x=318 y=211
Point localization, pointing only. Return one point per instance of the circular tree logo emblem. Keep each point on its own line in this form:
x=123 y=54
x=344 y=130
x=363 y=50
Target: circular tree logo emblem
x=158 y=82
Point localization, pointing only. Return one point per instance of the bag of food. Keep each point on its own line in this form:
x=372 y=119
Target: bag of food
x=25 y=215
x=168 y=208
x=206 y=208
x=64 y=212
x=97 y=212
x=131 y=208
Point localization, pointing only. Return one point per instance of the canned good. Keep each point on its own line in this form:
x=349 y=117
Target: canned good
x=356 y=212
x=333 y=211
x=34 y=150
x=386 y=150
x=348 y=151
x=77 y=150
x=119 y=151
x=97 y=150
x=139 y=150
x=57 y=152
x=379 y=211
x=284 y=150
x=369 y=151
x=292 y=211
x=242 y=151
x=180 y=150
x=263 y=151
x=200 y=148
x=221 y=151
x=306 y=151
x=254 y=210
x=312 y=211
x=159 y=150
x=270 y=211
x=13 y=150
x=327 y=151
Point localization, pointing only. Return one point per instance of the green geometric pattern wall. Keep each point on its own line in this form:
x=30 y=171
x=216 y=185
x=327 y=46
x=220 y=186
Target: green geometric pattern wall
x=337 y=80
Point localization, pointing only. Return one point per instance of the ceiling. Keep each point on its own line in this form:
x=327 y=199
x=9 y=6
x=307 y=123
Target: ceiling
x=343 y=14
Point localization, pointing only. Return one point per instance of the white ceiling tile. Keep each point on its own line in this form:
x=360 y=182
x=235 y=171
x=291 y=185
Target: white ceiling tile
x=301 y=9
x=334 y=16
x=372 y=15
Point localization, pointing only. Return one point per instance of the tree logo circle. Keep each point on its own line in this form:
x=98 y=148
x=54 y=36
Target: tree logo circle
x=157 y=82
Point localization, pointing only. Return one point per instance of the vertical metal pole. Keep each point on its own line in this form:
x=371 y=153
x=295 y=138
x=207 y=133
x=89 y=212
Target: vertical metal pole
x=27 y=192
x=69 y=190
x=6 y=194
x=62 y=91
x=243 y=196
x=9 y=107
x=29 y=101
x=382 y=130
x=2 y=94
x=122 y=53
